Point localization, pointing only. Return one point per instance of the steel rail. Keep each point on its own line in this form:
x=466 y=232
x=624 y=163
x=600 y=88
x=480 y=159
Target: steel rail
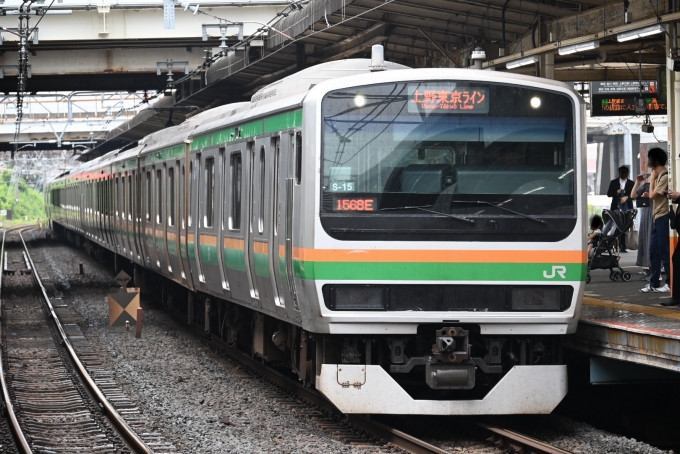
x=522 y=442
x=19 y=437
x=123 y=428
x=379 y=430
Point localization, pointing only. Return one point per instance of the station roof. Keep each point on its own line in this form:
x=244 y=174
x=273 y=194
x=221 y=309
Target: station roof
x=425 y=33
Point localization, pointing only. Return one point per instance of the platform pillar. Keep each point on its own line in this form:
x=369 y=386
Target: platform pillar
x=673 y=103
x=547 y=66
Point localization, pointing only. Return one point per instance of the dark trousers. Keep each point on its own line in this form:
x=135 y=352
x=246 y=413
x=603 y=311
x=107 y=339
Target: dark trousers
x=676 y=275
x=659 y=253
x=622 y=238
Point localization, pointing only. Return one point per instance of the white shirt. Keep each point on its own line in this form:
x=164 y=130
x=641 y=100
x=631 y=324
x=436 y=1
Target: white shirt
x=623 y=184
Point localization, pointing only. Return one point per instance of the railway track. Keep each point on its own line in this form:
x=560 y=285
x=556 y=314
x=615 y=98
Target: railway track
x=364 y=431
x=52 y=401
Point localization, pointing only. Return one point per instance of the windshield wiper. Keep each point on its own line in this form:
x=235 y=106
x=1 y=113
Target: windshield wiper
x=500 y=205
x=424 y=208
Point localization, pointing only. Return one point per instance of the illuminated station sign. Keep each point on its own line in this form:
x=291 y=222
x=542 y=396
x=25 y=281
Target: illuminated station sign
x=617 y=98
x=447 y=98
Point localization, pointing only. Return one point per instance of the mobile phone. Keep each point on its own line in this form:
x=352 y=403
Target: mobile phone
x=645 y=176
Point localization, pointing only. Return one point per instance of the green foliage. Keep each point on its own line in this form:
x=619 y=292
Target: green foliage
x=31 y=202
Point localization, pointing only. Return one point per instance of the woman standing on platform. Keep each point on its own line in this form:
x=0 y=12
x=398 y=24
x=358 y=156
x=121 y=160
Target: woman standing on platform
x=646 y=220
x=674 y=197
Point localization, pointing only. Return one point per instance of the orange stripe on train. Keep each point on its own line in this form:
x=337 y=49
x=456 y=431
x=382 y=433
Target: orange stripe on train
x=465 y=256
x=234 y=243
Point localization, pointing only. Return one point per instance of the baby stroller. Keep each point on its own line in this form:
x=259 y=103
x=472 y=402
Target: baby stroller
x=602 y=255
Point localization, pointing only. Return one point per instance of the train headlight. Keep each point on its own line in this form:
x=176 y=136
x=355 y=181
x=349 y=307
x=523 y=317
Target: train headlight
x=358 y=297
x=535 y=102
x=539 y=299
x=360 y=100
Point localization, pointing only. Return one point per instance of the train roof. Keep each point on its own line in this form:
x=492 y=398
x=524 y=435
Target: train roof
x=176 y=134
x=282 y=95
x=291 y=91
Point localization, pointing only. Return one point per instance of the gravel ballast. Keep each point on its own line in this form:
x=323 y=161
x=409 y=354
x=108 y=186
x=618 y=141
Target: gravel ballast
x=184 y=389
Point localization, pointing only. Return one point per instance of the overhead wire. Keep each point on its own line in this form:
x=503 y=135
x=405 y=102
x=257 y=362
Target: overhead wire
x=289 y=9
x=24 y=32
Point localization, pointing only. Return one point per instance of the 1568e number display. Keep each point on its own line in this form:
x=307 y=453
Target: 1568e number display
x=355 y=204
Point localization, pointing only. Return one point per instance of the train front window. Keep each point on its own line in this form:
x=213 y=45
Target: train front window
x=448 y=150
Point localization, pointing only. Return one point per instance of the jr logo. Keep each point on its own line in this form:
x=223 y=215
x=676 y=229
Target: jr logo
x=556 y=270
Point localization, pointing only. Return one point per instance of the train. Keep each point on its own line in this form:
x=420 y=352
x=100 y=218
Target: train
x=406 y=241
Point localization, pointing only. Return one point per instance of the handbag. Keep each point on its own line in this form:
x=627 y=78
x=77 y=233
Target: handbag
x=643 y=202
x=632 y=239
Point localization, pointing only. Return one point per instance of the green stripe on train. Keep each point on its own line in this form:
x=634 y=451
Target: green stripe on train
x=283 y=121
x=390 y=271
x=234 y=259
x=261 y=264
x=208 y=254
x=267 y=125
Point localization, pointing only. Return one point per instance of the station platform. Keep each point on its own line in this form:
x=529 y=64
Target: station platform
x=620 y=322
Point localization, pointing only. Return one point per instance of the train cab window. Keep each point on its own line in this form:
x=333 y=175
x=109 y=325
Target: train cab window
x=298 y=157
x=236 y=173
x=159 y=196
x=149 y=195
x=260 y=224
x=209 y=210
x=171 y=195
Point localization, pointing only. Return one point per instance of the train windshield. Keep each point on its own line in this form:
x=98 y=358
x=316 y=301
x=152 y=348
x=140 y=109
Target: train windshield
x=448 y=149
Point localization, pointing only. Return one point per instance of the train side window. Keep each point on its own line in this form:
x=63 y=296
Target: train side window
x=298 y=157
x=236 y=173
x=130 y=199
x=149 y=195
x=263 y=168
x=276 y=181
x=159 y=196
x=123 y=197
x=191 y=178
x=222 y=164
x=171 y=194
x=118 y=196
x=209 y=210
x=182 y=196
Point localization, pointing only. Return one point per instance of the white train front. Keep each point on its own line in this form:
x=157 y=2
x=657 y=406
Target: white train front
x=408 y=241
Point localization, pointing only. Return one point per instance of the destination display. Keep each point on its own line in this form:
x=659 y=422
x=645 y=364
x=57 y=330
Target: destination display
x=621 y=105
x=447 y=98
x=609 y=87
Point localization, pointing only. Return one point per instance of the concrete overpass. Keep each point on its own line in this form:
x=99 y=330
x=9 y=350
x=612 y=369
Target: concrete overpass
x=119 y=44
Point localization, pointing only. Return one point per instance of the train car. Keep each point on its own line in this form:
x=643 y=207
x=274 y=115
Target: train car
x=407 y=241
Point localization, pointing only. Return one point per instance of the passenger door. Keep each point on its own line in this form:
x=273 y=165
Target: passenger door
x=235 y=219
x=208 y=221
x=282 y=218
x=172 y=244
x=184 y=201
x=193 y=221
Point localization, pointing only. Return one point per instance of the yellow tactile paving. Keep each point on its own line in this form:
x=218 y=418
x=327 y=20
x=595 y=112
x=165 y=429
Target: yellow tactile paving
x=649 y=310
